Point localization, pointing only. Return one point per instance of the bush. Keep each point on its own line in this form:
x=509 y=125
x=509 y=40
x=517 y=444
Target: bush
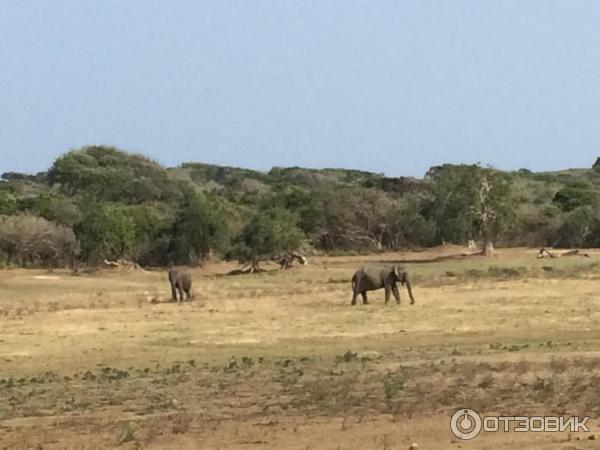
x=269 y=232
x=27 y=239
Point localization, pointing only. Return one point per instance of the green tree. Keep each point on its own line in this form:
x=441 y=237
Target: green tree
x=580 y=228
x=52 y=206
x=469 y=201
x=107 y=231
x=575 y=195
x=8 y=203
x=108 y=174
x=304 y=202
x=200 y=227
x=269 y=232
x=152 y=224
x=408 y=226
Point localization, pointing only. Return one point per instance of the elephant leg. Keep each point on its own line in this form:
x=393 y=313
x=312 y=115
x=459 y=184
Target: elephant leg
x=387 y=294
x=181 y=297
x=188 y=293
x=364 y=297
x=396 y=293
x=173 y=293
x=354 y=295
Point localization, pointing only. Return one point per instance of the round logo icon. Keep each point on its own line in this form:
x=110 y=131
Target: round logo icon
x=465 y=424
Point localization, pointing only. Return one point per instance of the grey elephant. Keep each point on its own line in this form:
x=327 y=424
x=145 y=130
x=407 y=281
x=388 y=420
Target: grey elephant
x=182 y=282
x=373 y=277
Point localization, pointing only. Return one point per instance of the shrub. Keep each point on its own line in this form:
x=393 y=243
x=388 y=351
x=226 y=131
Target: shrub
x=27 y=239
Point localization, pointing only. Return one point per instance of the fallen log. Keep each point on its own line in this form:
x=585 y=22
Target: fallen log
x=122 y=263
x=545 y=253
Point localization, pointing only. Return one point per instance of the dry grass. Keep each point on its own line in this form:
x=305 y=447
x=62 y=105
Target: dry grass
x=280 y=359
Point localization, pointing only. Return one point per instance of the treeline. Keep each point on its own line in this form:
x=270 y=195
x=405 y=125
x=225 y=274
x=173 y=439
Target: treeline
x=100 y=203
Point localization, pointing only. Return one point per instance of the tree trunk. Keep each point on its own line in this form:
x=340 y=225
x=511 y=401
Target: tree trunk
x=488 y=248
x=254 y=267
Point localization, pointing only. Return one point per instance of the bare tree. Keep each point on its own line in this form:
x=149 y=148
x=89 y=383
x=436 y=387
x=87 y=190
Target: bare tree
x=486 y=215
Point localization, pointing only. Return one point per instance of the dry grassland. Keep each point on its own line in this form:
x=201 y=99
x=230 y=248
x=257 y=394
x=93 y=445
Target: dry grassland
x=281 y=360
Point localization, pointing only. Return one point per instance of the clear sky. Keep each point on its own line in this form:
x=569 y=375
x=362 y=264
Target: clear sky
x=386 y=86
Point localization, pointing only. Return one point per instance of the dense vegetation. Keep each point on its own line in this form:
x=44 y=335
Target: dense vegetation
x=100 y=203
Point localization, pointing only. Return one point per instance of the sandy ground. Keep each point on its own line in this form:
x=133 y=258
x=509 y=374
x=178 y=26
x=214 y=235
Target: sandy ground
x=281 y=360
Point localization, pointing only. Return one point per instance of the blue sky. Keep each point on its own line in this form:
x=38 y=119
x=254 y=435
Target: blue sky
x=385 y=86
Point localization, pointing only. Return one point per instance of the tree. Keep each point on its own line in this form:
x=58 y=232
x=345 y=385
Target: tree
x=580 y=228
x=360 y=218
x=373 y=218
x=450 y=202
x=470 y=201
x=8 y=203
x=269 y=233
x=486 y=214
x=336 y=228
x=107 y=231
x=52 y=206
x=200 y=227
x=114 y=231
x=107 y=174
x=575 y=195
x=304 y=202
x=408 y=226
x=151 y=224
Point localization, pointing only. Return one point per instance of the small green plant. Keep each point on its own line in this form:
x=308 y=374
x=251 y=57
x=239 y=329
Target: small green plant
x=516 y=348
x=393 y=384
x=126 y=434
x=543 y=390
x=247 y=361
x=111 y=374
x=175 y=368
x=349 y=356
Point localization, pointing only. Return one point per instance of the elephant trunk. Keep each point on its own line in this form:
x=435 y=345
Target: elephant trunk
x=409 y=289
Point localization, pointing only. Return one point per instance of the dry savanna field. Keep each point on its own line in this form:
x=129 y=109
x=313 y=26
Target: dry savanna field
x=281 y=360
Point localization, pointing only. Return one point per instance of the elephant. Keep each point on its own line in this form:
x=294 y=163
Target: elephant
x=182 y=282
x=373 y=277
